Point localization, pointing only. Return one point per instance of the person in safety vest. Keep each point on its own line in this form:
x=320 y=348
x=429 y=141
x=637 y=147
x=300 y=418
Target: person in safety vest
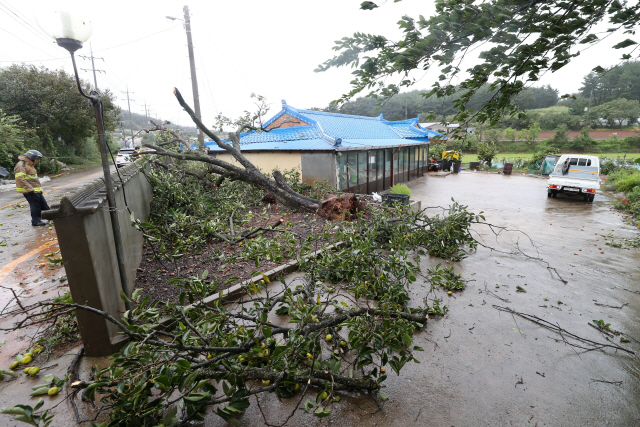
x=28 y=184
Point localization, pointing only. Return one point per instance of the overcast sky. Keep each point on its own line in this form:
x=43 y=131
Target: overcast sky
x=242 y=46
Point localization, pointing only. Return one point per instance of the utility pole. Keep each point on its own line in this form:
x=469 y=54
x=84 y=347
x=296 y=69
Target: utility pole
x=146 y=112
x=194 y=80
x=93 y=66
x=130 y=119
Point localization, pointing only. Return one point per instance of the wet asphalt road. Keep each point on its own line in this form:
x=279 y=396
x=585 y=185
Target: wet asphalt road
x=483 y=367
x=15 y=219
x=23 y=267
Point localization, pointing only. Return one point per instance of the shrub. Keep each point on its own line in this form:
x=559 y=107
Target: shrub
x=543 y=153
x=486 y=152
x=608 y=167
x=628 y=183
x=400 y=189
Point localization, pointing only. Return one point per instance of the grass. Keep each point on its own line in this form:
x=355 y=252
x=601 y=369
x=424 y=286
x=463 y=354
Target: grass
x=551 y=109
x=466 y=158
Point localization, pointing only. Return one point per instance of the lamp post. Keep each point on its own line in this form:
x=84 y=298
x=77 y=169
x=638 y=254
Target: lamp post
x=70 y=30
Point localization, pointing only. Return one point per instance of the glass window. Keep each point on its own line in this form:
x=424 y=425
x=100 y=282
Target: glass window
x=342 y=171
x=588 y=162
x=573 y=161
x=352 y=162
x=379 y=170
x=582 y=162
x=406 y=158
x=387 y=167
x=362 y=172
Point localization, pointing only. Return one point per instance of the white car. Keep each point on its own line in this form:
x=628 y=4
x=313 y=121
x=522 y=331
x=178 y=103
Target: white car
x=126 y=156
x=575 y=174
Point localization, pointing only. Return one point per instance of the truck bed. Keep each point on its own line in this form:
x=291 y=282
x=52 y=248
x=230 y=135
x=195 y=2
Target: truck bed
x=578 y=176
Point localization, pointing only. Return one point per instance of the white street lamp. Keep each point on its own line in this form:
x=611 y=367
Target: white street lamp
x=66 y=24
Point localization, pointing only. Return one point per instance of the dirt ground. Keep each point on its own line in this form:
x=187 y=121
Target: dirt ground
x=221 y=260
x=595 y=134
x=483 y=367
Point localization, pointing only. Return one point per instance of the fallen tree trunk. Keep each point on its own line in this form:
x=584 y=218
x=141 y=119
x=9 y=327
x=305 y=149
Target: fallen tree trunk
x=247 y=173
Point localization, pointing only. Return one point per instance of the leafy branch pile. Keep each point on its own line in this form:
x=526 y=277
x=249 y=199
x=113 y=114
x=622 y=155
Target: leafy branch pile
x=340 y=328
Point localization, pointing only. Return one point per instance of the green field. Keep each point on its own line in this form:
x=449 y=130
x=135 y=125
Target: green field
x=558 y=108
x=466 y=158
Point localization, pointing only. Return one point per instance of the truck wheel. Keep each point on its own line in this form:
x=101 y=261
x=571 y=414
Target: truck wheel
x=548 y=193
x=554 y=194
x=591 y=197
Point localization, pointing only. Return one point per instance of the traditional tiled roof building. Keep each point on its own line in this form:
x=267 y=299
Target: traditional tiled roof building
x=354 y=153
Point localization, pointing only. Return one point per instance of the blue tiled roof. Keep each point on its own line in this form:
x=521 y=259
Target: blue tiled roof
x=332 y=131
x=282 y=134
x=293 y=145
x=352 y=127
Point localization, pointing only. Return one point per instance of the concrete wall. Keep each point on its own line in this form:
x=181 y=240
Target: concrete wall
x=83 y=226
x=317 y=167
x=268 y=161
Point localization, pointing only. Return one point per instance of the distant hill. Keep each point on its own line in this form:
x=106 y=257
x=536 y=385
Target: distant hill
x=140 y=121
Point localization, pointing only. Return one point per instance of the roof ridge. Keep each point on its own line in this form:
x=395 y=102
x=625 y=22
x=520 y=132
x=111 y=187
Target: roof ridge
x=351 y=116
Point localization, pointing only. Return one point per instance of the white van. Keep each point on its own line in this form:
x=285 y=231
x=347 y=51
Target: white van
x=575 y=174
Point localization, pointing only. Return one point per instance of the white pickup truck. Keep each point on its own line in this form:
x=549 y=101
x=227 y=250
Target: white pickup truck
x=575 y=174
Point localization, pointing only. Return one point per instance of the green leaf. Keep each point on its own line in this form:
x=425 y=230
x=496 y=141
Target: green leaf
x=382 y=395
x=14 y=411
x=184 y=364
x=40 y=391
x=136 y=294
x=368 y=5
x=124 y=296
x=26 y=419
x=623 y=44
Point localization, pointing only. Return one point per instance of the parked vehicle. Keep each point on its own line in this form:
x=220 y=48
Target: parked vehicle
x=576 y=175
x=126 y=156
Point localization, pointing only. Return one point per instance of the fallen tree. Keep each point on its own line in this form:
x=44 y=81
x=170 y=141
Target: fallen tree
x=246 y=171
x=338 y=329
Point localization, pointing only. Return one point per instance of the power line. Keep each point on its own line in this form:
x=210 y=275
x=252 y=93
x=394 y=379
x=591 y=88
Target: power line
x=25 y=42
x=206 y=77
x=39 y=60
x=137 y=40
x=130 y=119
x=93 y=66
x=20 y=20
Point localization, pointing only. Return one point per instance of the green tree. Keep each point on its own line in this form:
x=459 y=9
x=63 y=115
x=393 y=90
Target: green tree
x=530 y=135
x=512 y=59
x=578 y=106
x=561 y=137
x=619 y=112
x=15 y=137
x=493 y=135
x=510 y=134
x=48 y=101
x=583 y=141
x=621 y=81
